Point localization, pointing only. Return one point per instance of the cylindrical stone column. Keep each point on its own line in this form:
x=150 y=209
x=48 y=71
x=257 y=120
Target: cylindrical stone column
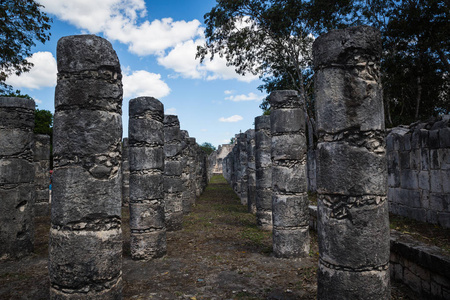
x=289 y=192
x=85 y=248
x=192 y=162
x=173 y=183
x=41 y=174
x=263 y=165
x=243 y=178
x=353 y=221
x=16 y=177
x=125 y=172
x=185 y=174
x=146 y=140
x=251 y=171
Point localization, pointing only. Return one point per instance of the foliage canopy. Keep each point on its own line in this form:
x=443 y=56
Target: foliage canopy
x=22 y=23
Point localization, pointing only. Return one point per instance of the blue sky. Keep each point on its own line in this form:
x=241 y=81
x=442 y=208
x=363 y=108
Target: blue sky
x=155 y=42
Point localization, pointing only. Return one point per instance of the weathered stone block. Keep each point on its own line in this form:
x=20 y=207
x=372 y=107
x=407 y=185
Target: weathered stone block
x=16 y=170
x=287 y=121
x=77 y=249
x=146 y=186
x=289 y=179
x=90 y=198
x=288 y=146
x=172 y=168
x=15 y=141
x=145 y=130
x=146 y=158
x=173 y=185
x=340 y=284
x=290 y=210
x=409 y=179
x=365 y=228
x=148 y=215
x=349 y=170
x=286 y=242
x=151 y=245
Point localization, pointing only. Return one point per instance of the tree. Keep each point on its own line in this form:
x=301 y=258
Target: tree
x=208 y=148
x=43 y=120
x=272 y=39
x=21 y=24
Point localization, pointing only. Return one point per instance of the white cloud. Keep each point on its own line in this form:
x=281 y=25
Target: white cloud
x=228 y=92
x=182 y=60
x=43 y=73
x=171 y=111
x=173 y=42
x=232 y=119
x=143 y=83
x=117 y=19
x=249 y=97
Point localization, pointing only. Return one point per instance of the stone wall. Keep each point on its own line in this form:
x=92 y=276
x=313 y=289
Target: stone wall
x=216 y=159
x=419 y=171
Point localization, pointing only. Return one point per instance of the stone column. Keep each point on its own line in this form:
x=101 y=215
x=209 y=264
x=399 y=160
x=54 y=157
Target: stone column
x=192 y=162
x=185 y=173
x=16 y=177
x=243 y=178
x=263 y=165
x=125 y=172
x=146 y=139
x=289 y=192
x=173 y=184
x=251 y=171
x=353 y=221
x=85 y=247
x=41 y=174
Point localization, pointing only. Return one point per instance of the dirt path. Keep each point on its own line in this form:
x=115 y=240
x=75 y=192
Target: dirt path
x=219 y=254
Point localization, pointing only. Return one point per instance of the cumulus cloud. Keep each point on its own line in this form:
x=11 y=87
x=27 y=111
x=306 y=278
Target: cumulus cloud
x=143 y=83
x=118 y=20
x=173 y=42
x=171 y=111
x=232 y=119
x=43 y=73
x=228 y=92
x=248 y=97
x=182 y=60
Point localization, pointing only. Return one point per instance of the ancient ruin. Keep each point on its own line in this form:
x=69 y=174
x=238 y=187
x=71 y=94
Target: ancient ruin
x=173 y=184
x=263 y=165
x=251 y=171
x=16 y=177
x=353 y=224
x=41 y=174
x=290 y=212
x=125 y=172
x=85 y=248
x=146 y=142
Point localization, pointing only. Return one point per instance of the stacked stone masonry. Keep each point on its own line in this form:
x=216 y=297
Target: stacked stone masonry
x=419 y=171
x=251 y=171
x=173 y=184
x=16 y=177
x=289 y=183
x=125 y=172
x=87 y=188
x=263 y=165
x=146 y=142
x=353 y=220
x=41 y=174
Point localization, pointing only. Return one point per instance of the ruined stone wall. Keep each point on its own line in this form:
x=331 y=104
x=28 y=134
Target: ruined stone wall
x=41 y=174
x=353 y=220
x=419 y=171
x=85 y=244
x=16 y=177
x=251 y=171
x=216 y=159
